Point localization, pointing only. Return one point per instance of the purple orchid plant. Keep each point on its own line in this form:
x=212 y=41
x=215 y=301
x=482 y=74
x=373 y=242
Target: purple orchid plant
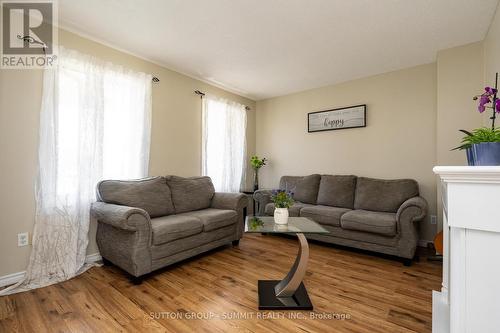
x=489 y=100
x=489 y=96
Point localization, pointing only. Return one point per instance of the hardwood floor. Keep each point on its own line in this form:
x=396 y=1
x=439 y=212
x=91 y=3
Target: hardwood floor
x=375 y=295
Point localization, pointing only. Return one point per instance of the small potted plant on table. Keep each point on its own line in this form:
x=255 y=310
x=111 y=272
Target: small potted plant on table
x=282 y=201
x=256 y=164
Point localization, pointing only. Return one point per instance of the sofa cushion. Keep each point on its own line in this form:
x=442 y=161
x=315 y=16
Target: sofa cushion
x=383 y=195
x=306 y=189
x=172 y=227
x=374 y=222
x=190 y=193
x=192 y=245
x=293 y=211
x=289 y=183
x=213 y=218
x=337 y=191
x=151 y=194
x=324 y=214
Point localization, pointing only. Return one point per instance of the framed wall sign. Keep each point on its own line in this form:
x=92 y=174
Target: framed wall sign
x=334 y=119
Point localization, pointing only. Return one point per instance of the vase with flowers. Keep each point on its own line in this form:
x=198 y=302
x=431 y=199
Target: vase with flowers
x=256 y=164
x=282 y=201
x=482 y=145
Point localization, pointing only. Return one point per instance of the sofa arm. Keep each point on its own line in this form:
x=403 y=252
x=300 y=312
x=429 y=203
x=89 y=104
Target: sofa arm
x=233 y=201
x=418 y=207
x=124 y=236
x=413 y=209
x=262 y=197
x=122 y=217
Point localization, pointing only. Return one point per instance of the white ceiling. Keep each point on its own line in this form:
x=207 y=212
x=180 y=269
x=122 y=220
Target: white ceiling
x=267 y=48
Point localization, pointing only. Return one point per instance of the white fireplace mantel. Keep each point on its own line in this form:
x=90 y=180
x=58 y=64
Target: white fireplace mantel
x=469 y=174
x=469 y=300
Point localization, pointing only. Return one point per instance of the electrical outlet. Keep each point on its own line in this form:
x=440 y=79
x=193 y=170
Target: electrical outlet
x=23 y=239
x=433 y=219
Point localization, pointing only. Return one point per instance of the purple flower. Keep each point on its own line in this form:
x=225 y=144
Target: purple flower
x=497 y=106
x=490 y=91
x=485 y=99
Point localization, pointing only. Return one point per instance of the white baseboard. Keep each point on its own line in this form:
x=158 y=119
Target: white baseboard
x=9 y=279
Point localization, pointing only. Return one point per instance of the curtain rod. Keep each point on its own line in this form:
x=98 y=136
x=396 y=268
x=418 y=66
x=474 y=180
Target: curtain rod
x=29 y=39
x=197 y=92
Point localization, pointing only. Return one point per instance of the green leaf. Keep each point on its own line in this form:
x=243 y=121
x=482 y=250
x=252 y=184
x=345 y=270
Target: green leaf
x=466 y=132
x=479 y=135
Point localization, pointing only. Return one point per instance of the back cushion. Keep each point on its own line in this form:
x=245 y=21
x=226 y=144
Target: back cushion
x=190 y=194
x=288 y=183
x=150 y=194
x=305 y=189
x=337 y=191
x=383 y=195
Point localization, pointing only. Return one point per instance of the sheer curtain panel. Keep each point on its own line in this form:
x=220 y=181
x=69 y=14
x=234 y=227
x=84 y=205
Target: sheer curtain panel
x=224 y=142
x=94 y=124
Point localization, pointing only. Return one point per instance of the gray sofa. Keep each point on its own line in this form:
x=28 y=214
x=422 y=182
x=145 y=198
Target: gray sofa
x=370 y=214
x=147 y=224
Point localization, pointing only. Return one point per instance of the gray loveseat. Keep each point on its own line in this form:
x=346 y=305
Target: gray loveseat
x=147 y=224
x=370 y=214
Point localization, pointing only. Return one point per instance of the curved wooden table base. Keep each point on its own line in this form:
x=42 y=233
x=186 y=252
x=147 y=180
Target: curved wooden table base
x=289 y=285
x=289 y=293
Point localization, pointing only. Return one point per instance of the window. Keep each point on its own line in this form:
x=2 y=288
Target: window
x=94 y=124
x=103 y=121
x=224 y=143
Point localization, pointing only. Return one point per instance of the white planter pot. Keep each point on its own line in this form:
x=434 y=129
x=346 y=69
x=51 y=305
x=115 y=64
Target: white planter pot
x=281 y=215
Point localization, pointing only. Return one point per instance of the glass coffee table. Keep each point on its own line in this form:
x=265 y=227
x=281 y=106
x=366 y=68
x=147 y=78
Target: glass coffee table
x=289 y=293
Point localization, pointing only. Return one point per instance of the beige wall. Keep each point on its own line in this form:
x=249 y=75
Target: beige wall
x=20 y=95
x=459 y=78
x=175 y=142
x=398 y=142
x=492 y=51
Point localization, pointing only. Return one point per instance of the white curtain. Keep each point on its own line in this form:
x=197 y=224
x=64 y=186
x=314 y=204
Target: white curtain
x=95 y=124
x=224 y=142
